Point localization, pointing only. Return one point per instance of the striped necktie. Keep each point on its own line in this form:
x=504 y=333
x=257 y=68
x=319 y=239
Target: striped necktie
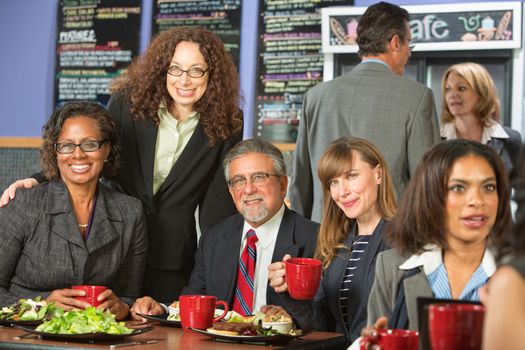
x=243 y=302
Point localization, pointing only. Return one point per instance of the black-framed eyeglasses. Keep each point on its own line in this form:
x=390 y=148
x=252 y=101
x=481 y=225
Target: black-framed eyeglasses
x=85 y=146
x=192 y=72
x=411 y=46
x=258 y=179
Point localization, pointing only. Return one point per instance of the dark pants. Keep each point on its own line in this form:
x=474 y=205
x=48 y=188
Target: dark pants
x=164 y=285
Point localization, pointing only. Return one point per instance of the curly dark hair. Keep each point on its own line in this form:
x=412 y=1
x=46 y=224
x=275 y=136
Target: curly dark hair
x=378 y=25
x=421 y=216
x=144 y=83
x=53 y=127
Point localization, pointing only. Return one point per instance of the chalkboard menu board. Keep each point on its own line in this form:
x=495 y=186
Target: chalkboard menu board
x=290 y=63
x=221 y=17
x=96 y=41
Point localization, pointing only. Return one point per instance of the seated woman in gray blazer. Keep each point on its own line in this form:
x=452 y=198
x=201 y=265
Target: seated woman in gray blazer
x=359 y=199
x=72 y=230
x=455 y=208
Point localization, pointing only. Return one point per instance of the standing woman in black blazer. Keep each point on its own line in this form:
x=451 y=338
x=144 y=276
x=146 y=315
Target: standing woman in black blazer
x=176 y=108
x=359 y=199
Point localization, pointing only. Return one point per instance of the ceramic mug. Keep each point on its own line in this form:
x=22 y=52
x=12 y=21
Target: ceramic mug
x=392 y=339
x=303 y=276
x=455 y=326
x=92 y=293
x=198 y=311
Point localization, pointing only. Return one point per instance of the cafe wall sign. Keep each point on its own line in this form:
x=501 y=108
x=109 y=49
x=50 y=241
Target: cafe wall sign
x=469 y=26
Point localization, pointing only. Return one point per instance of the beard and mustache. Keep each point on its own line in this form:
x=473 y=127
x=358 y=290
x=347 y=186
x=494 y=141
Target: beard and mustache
x=253 y=213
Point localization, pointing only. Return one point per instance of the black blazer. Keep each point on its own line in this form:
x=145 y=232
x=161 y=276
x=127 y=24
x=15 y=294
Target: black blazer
x=216 y=261
x=507 y=148
x=196 y=179
x=324 y=313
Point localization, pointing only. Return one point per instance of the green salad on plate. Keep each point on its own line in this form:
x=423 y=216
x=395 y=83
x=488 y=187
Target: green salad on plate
x=28 y=310
x=90 y=320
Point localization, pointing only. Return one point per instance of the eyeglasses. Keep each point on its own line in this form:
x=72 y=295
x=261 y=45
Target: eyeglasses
x=411 y=45
x=257 y=179
x=192 y=72
x=86 y=146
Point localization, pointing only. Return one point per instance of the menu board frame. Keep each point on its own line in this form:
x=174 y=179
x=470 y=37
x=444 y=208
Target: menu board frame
x=93 y=51
x=474 y=15
x=290 y=61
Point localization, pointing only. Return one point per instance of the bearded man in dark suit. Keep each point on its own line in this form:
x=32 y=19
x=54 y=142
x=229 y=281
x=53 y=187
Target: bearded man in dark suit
x=256 y=176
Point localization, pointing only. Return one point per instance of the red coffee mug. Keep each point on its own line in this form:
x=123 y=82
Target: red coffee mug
x=455 y=326
x=198 y=311
x=393 y=339
x=303 y=276
x=92 y=293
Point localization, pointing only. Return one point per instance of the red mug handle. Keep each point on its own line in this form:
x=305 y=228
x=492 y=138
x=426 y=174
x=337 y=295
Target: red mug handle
x=225 y=305
x=367 y=341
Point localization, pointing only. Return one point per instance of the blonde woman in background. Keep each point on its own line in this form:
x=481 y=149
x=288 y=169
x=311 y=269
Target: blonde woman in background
x=471 y=110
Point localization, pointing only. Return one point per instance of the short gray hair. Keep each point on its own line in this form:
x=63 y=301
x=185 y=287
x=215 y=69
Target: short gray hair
x=255 y=146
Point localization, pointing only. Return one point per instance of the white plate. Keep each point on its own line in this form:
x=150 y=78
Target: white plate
x=175 y=311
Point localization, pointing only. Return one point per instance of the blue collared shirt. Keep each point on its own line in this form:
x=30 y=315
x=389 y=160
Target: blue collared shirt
x=375 y=60
x=432 y=262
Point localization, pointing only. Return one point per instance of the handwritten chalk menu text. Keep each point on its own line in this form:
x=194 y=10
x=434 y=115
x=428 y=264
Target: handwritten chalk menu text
x=221 y=17
x=96 y=41
x=290 y=63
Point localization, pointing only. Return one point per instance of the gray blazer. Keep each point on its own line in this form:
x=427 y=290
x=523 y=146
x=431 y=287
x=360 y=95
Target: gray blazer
x=397 y=114
x=42 y=249
x=386 y=285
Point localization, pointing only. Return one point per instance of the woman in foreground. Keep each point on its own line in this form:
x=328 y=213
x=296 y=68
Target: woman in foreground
x=454 y=209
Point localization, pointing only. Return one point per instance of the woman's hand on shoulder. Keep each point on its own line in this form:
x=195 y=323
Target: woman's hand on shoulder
x=9 y=193
x=277 y=275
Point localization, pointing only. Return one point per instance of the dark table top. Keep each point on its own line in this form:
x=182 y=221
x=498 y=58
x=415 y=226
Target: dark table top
x=169 y=338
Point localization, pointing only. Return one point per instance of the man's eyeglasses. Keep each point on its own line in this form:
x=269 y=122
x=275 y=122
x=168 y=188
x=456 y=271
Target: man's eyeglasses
x=86 y=146
x=192 y=72
x=411 y=45
x=258 y=179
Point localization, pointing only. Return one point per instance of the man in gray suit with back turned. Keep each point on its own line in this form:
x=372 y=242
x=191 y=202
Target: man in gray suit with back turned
x=374 y=102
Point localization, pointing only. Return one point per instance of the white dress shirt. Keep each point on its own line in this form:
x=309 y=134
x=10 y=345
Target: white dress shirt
x=267 y=236
x=494 y=129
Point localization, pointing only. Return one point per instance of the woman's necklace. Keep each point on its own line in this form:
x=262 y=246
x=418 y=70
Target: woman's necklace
x=359 y=238
x=83 y=225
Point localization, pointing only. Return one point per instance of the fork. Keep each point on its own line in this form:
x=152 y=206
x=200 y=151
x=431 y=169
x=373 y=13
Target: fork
x=131 y=343
x=22 y=336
